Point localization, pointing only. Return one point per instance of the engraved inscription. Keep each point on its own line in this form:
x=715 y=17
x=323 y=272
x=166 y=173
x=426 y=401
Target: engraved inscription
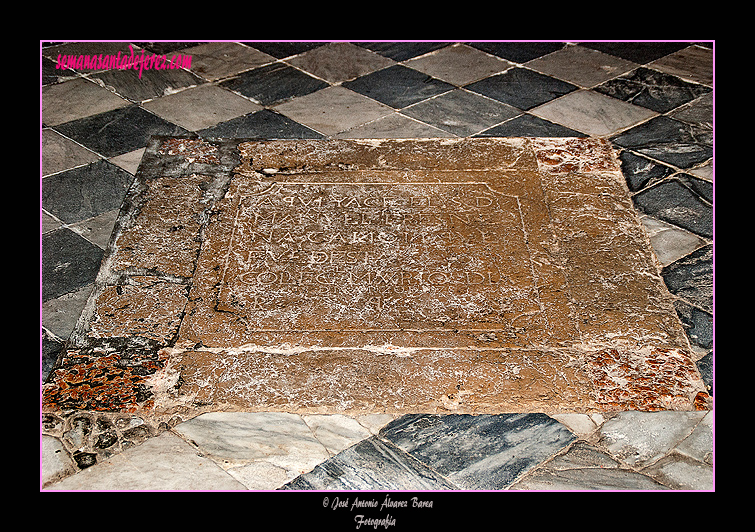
x=376 y=256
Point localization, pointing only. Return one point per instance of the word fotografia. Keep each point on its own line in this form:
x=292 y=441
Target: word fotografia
x=140 y=62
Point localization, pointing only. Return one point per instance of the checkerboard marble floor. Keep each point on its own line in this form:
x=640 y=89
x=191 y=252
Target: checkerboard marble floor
x=652 y=100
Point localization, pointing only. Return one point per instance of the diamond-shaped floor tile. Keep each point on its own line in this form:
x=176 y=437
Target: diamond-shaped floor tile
x=652 y=89
x=217 y=60
x=75 y=99
x=265 y=124
x=273 y=83
x=398 y=86
x=668 y=140
x=201 y=107
x=479 y=452
x=372 y=464
x=86 y=191
x=592 y=113
x=522 y=88
x=332 y=110
x=69 y=262
x=340 y=61
x=581 y=66
x=459 y=64
x=119 y=131
x=461 y=112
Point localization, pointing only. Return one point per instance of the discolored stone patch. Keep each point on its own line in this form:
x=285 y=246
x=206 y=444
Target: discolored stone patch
x=428 y=275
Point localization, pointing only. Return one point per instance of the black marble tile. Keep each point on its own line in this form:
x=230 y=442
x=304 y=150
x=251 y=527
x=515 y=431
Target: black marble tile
x=668 y=140
x=705 y=366
x=372 y=464
x=51 y=348
x=401 y=51
x=85 y=192
x=518 y=52
x=264 y=124
x=691 y=278
x=526 y=125
x=697 y=323
x=273 y=83
x=51 y=74
x=69 y=262
x=637 y=52
x=118 y=131
x=279 y=50
x=398 y=86
x=521 y=88
x=640 y=172
x=652 y=89
x=674 y=203
x=701 y=187
x=139 y=86
x=479 y=452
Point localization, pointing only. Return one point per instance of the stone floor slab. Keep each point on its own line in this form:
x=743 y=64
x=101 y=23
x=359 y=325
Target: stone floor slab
x=474 y=276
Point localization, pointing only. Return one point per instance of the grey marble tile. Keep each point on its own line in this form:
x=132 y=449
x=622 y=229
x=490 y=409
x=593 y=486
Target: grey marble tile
x=393 y=126
x=592 y=113
x=640 y=439
x=479 y=452
x=201 y=107
x=332 y=110
x=584 y=467
x=461 y=112
x=669 y=242
x=60 y=153
x=459 y=64
x=339 y=61
x=694 y=63
x=581 y=66
x=372 y=464
x=75 y=99
x=217 y=60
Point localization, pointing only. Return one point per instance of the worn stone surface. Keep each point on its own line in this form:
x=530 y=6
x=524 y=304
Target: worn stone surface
x=378 y=276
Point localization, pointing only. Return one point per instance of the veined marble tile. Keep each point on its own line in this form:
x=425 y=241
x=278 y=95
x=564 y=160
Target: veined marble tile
x=235 y=439
x=372 y=464
x=592 y=113
x=479 y=452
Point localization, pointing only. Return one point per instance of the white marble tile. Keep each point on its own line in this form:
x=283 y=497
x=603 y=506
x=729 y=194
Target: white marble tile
x=336 y=432
x=234 y=439
x=592 y=113
x=669 y=242
x=165 y=462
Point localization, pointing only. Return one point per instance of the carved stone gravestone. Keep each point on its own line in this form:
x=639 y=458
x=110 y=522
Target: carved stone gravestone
x=420 y=275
